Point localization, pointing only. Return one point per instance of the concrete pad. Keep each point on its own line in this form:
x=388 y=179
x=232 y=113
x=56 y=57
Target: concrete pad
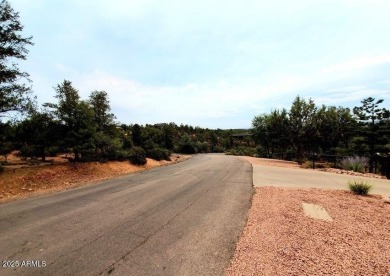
x=307 y=178
x=316 y=211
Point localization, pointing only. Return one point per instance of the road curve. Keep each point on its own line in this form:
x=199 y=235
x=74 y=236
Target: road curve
x=182 y=219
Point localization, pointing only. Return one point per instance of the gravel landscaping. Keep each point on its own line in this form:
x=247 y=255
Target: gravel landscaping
x=279 y=240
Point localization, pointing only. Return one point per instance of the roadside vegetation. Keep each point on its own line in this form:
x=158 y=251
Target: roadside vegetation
x=359 y=187
x=357 y=139
x=355 y=163
x=87 y=131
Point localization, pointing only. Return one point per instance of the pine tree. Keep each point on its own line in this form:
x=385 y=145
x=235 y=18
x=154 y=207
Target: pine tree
x=15 y=94
x=373 y=120
x=76 y=118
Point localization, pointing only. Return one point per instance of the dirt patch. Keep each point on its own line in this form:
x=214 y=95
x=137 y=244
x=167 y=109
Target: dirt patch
x=15 y=160
x=22 y=181
x=279 y=239
x=270 y=162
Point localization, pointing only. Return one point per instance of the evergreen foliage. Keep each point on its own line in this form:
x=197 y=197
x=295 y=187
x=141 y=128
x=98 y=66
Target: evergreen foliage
x=15 y=93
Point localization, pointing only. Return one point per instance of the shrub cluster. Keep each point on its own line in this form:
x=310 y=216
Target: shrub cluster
x=52 y=151
x=318 y=165
x=137 y=156
x=186 y=148
x=359 y=187
x=243 y=150
x=159 y=154
x=356 y=163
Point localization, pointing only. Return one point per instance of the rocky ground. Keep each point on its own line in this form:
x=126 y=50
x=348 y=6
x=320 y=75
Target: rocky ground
x=279 y=239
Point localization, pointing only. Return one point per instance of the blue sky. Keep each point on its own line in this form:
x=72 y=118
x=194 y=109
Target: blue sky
x=212 y=64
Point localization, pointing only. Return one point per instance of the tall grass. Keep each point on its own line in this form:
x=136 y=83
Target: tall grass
x=359 y=187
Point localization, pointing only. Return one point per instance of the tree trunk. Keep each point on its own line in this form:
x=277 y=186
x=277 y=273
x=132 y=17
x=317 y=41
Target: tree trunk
x=76 y=156
x=299 y=155
x=43 y=154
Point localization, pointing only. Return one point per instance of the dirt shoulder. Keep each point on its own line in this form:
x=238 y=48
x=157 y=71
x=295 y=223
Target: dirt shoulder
x=270 y=162
x=21 y=182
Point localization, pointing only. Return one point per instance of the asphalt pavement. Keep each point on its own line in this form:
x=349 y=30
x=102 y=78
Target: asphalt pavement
x=182 y=219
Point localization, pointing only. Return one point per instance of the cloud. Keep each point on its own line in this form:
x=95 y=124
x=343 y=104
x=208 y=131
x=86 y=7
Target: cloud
x=358 y=64
x=233 y=99
x=189 y=102
x=203 y=62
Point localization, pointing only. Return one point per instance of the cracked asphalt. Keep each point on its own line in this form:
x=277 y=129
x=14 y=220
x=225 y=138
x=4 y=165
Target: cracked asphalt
x=182 y=219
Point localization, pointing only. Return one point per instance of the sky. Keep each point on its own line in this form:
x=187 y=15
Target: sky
x=213 y=64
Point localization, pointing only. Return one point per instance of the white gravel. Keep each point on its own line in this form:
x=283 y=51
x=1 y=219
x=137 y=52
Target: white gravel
x=279 y=240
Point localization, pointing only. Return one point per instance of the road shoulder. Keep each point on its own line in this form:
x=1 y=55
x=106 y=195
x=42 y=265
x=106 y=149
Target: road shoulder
x=32 y=181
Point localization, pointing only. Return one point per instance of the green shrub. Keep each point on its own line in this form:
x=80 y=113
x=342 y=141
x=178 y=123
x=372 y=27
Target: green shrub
x=159 y=154
x=28 y=151
x=318 y=165
x=122 y=155
x=87 y=155
x=137 y=156
x=359 y=187
x=356 y=163
x=202 y=147
x=307 y=165
x=117 y=155
x=114 y=154
x=218 y=149
x=242 y=151
x=187 y=148
x=52 y=151
x=112 y=149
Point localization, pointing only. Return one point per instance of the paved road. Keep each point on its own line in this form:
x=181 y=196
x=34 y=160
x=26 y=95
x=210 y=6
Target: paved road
x=306 y=178
x=182 y=219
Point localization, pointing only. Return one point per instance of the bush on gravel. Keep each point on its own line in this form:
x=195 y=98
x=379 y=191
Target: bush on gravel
x=359 y=187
